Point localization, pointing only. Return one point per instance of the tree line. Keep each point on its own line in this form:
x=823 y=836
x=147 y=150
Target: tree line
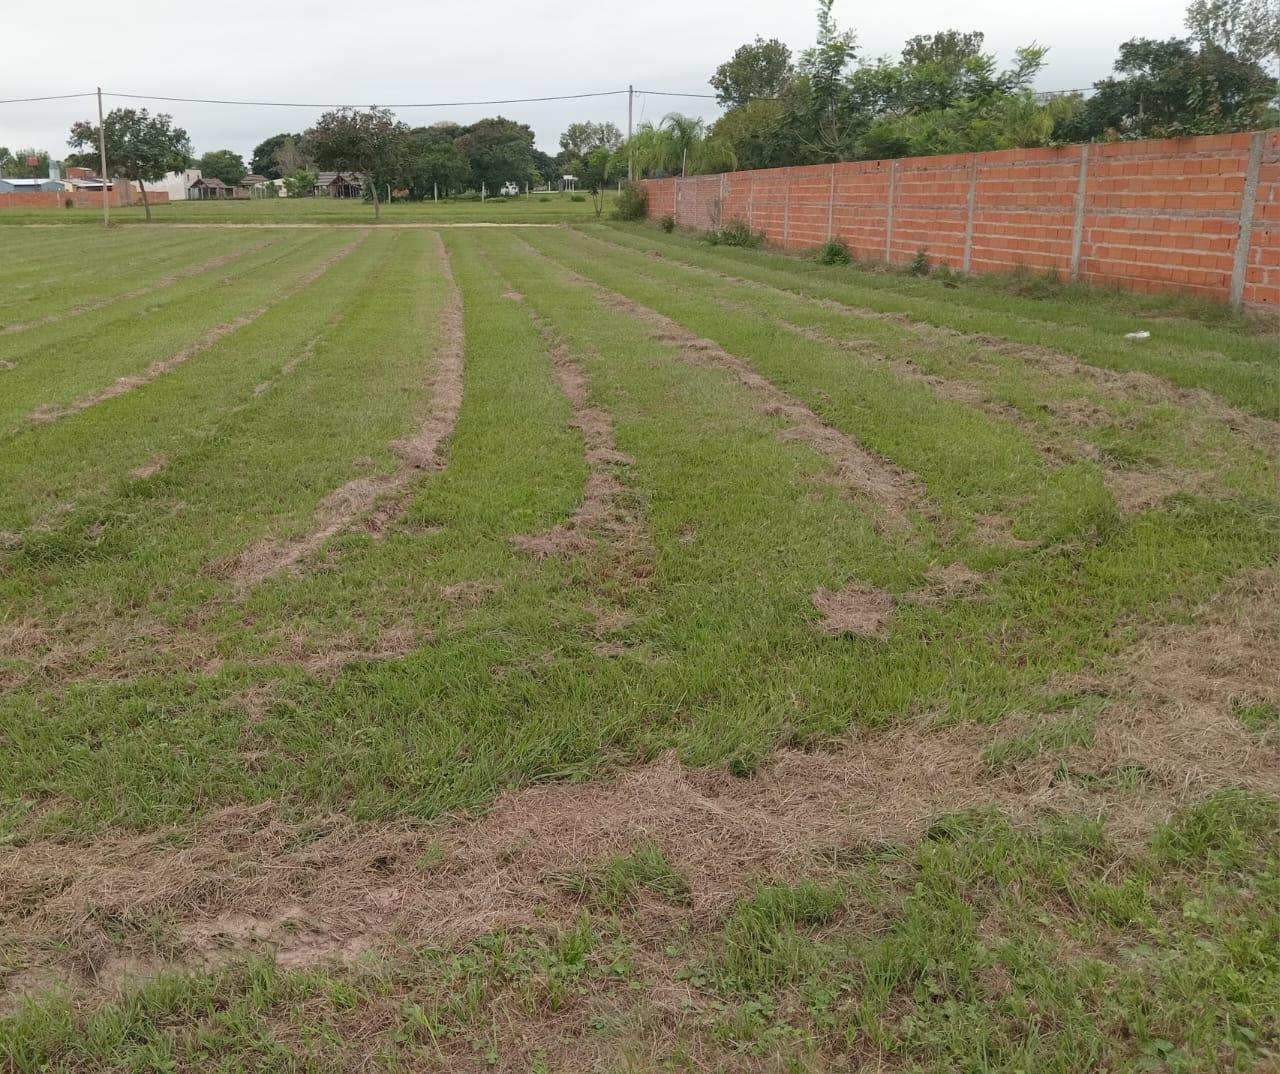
x=945 y=94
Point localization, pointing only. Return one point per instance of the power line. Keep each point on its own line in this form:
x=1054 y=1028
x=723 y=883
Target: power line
x=54 y=97
x=415 y=104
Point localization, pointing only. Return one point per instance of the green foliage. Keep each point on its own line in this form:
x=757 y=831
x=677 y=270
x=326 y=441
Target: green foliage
x=139 y=146
x=1249 y=28
x=667 y=223
x=835 y=252
x=369 y=142
x=579 y=139
x=499 y=151
x=679 y=145
x=918 y=265
x=1175 y=88
x=758 y=69
x=301 y=184
x=632 y=203
x=736 y=232
x=577 y=197
x=277 y=156
x=223 y=164
x=17 y=165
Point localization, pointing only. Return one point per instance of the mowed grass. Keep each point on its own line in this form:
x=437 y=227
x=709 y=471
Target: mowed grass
x=534 y=208
x=1093 y=910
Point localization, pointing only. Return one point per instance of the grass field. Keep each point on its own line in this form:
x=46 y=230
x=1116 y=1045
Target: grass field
x=585 y=649
x=530 y=209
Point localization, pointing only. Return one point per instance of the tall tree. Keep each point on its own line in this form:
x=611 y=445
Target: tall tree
x=140 y=147
x=1248 y=28
x=758 y=69
x=825 y=113
x=680 y=145
x=223 y=164
x=370 y=142
x=265 y=161
x=499 y=150
x=579 y=139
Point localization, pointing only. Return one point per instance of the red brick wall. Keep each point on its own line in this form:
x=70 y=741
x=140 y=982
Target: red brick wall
x=81 y=199
x=1154 y=215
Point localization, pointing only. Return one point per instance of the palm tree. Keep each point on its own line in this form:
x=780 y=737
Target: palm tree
x=680 y=144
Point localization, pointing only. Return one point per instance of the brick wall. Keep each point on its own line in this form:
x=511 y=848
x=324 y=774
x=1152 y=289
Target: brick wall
x=119 y=194
x=1200 y=215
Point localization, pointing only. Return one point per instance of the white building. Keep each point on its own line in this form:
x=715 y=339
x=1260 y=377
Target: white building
x=177 y=184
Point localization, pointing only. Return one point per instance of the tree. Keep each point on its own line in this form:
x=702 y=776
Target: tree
x=1248 y=28
x=680 y=144
x=223 y=164
x=301 y=184
x=499 y=151
x=369 y=142
x=595 y=175
x=758 y=69
x=579 y=139
x=432 y=162
x=266 y=160
x=17 y=165
x=1164 y=89
x=824 y=113
x=140 y=147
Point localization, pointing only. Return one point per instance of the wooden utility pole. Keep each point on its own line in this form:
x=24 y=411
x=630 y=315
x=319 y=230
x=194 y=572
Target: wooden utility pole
x=631 y=153
x=102 y=156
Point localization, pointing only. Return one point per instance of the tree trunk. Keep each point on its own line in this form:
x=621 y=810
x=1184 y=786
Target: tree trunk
x=373 y=186
x=146 y=205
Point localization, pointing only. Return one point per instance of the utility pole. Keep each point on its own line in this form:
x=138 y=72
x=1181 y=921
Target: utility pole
x=631 y=153
x=102 y=156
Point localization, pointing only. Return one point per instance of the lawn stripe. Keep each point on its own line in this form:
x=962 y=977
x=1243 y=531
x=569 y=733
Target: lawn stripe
x=166 y=281
x=1247 y=383
x=51 y=412
x=425 y=449
x=895 y=492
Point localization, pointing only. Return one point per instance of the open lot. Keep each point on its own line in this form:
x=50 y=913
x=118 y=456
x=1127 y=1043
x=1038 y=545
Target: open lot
x=582 y=648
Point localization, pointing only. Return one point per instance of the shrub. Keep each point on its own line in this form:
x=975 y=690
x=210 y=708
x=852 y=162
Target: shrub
x=633 y=202
x=577 y=197
x=667 y=223
x=834 y=252
x=735 y=233
x=545 y=197
x=919 y=265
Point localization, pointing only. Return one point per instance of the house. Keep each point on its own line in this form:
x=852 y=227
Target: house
x=177 y=184
x=338 y=185
x=209 y=188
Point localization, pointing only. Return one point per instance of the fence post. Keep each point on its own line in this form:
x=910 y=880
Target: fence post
x=751 y=202
x=1241 y=266
x=786 y=211
x=831 y=205
x=968 y=223
x=1077 y=228
x=888 y=221
x=724 y=194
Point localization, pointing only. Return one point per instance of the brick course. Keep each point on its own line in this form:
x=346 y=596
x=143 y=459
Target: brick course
x=1156 y=215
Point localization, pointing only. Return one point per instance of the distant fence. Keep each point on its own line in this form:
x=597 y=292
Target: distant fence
x=1187 y=214
x=119 y=195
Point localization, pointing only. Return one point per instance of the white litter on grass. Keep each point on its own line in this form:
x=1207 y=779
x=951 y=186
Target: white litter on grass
x=1137 y=335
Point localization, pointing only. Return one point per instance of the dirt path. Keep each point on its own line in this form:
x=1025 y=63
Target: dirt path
x=166 y=281
x=51 y=412
x=423 y=450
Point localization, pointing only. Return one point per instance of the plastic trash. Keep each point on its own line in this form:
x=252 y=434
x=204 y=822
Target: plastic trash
x=1137 y=335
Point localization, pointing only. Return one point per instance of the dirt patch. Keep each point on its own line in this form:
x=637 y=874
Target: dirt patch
x=470 y=594
x=150 y=468
x=381 y=496
x=330 y=889
x=6 y=366
x=892 y=490
x=946 y=583
x=1140 y=490
x=855 y=609
x=166 y=281
x=50 y=412
x=997 y=531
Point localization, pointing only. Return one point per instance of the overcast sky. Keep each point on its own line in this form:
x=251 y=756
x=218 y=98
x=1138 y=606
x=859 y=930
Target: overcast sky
x=394 y=51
